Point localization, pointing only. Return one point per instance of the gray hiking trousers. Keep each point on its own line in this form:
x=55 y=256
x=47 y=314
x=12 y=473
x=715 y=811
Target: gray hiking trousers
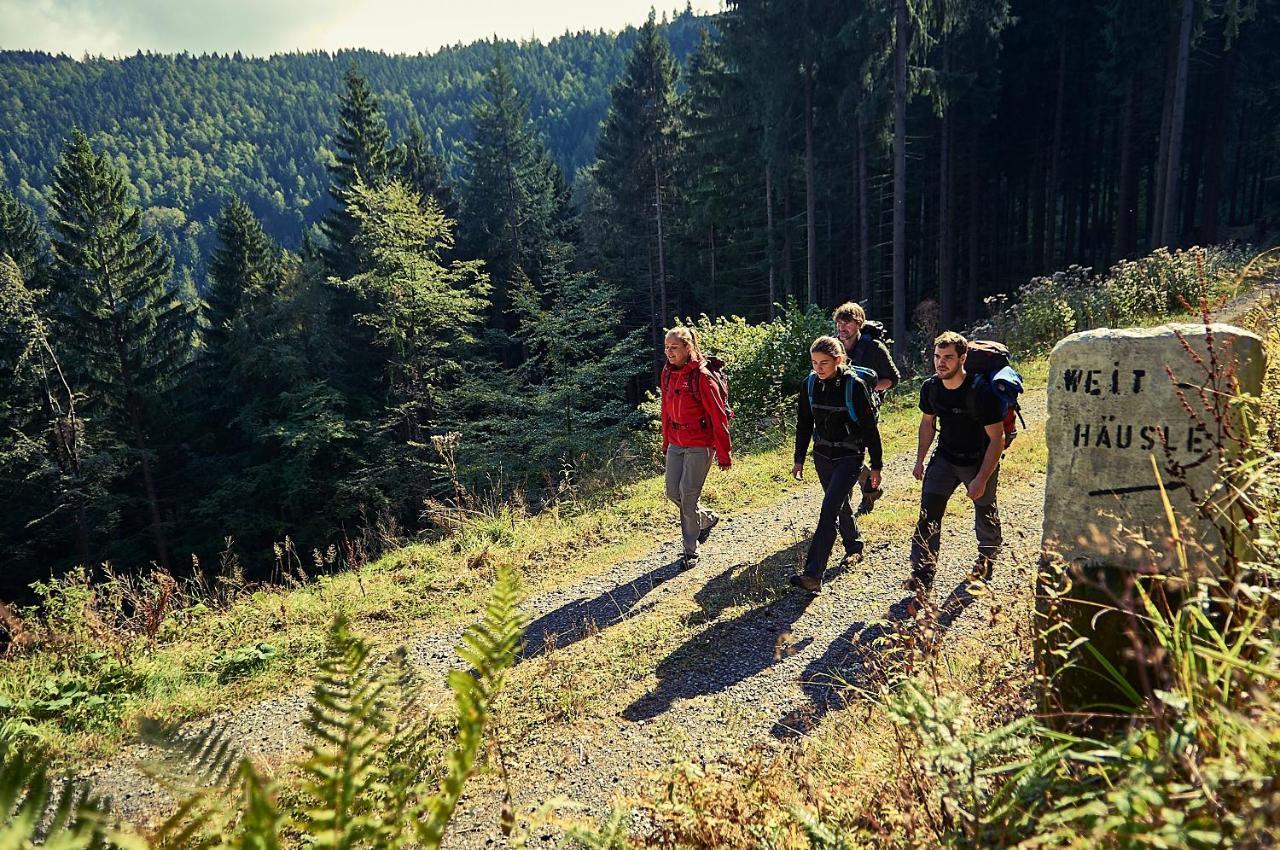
x=687 y=469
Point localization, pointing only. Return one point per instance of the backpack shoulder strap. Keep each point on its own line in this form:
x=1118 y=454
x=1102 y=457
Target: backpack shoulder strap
x=808 y=385
x=850 y=379
x=933 y=394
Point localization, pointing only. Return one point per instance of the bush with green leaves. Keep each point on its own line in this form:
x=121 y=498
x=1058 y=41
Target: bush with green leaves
x=1132 y=292
x=766 y=365
x=373 y=777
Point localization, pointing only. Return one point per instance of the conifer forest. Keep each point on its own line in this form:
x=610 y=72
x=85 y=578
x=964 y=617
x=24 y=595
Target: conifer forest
x=254 y=300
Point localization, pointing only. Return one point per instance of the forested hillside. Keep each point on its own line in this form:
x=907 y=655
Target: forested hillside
x=261 y=307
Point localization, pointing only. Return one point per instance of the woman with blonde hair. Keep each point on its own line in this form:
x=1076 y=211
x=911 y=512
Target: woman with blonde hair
x=695 y=425
x=835 y=410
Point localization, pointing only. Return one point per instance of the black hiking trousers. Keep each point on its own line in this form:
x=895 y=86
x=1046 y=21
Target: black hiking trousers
x=837 y=478
x=941 y=477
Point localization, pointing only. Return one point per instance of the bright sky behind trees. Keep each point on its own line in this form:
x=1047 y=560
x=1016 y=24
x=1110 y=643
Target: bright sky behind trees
x=262 y=27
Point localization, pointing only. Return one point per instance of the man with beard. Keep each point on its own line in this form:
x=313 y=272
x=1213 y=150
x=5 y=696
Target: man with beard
x=867 y=350
x=968 y=453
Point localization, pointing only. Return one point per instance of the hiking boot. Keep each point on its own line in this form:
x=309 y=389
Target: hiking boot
x=854 y=552
x=688 y=562
x=981 y=570
x=868 y=502
x=804 y=582
x=706 y=532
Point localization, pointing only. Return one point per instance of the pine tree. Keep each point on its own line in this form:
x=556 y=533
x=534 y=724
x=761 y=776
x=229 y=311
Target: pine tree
x=509 y=199
x=21 y=237
x=364 y=155
x=638 y=152
x=129 y=334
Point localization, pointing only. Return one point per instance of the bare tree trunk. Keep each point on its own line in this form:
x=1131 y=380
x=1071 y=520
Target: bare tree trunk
x=1127 y=213
x=810 y=192
x=1055 y=157
x=900 y=342
x=864 y=221
x=946 y=239
x=1173 y=174
x=662 y=259
x=975 y=242
x=769 y=239
x=1215 y=147
x=1166 y=121
x=715 y=310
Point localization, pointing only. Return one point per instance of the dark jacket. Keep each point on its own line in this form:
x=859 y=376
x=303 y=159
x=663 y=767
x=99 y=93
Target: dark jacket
x=873 y=354
x=828 y=424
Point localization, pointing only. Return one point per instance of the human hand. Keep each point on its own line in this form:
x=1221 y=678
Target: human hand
x=918 y=472
x=724 y=465
x=976 y=489
x=875 y=479
x=797 y=471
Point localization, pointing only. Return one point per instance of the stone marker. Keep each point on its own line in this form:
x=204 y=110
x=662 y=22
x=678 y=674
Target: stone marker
x=1113 y=407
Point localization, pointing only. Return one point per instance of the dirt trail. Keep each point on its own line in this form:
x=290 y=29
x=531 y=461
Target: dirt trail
x=723 y=689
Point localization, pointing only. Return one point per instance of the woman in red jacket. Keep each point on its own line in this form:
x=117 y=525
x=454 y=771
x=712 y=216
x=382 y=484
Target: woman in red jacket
x=695 y=425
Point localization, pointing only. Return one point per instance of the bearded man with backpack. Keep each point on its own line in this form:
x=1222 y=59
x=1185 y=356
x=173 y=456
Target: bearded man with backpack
x=973 y=408
x=865 y=348
x=695 y=426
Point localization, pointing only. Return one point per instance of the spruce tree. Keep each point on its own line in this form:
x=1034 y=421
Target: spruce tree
x=128 y=333
x=638 y=151
x=243 y=270
x=21 y=238
x=364 y=155
x=509 y=199
x=424 y=172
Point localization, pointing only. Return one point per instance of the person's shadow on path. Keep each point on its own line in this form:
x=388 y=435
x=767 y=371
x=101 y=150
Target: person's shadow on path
x=840 y=675
x=734 y=650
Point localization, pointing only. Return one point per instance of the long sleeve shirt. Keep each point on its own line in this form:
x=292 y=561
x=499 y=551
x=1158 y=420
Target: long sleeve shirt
x=834 y=434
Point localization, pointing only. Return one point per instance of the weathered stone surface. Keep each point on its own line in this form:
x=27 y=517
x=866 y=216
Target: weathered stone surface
x=1118 y=399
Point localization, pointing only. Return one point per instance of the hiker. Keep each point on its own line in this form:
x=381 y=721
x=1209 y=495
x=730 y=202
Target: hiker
x=695 y=425
x=864 y=346
x=836 y=409
x=971 y=418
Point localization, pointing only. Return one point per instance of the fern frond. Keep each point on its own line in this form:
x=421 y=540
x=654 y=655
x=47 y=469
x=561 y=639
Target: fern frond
x=39 y=811
x=490 y=648
x=199 y=769
x=260 y=821
x=348 y=719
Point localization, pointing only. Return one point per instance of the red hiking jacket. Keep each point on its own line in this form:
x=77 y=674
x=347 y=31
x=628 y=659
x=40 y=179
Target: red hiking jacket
x=695 y=416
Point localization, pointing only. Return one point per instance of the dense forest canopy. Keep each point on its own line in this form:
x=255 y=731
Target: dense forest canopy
x=307 y=296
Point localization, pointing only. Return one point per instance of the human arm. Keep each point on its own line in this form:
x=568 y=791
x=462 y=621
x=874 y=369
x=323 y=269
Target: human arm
x=990 y=459
x=867 y=425
x=804 y=429
x=716 y=407
x=664 y=418
x=886 y=370
x=928 y=429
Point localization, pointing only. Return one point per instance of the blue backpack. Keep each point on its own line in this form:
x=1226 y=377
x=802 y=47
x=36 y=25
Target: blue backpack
x=866 y=377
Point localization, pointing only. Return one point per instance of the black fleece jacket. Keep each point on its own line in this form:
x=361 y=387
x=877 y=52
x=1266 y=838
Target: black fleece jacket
x=834 y=426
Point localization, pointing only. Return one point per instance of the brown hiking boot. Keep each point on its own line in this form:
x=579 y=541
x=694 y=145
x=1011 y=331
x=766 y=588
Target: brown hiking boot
x=981 y=570
x=804 y=582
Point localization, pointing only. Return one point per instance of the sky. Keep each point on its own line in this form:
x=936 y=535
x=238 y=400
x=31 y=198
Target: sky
x=262 y=27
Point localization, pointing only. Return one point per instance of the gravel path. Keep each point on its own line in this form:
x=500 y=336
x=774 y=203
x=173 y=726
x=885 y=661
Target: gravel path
x=757 y=677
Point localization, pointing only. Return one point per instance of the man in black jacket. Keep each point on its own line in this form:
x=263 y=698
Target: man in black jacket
x=971 y=420
x=868 y=351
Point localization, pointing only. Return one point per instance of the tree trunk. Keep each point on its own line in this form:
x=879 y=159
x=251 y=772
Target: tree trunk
x=788 y=272
x=769 y=239
x=1166 y=120
x=148 y=484
x=1215 y=147
x=864 y=221
x=810 y=194
x=975 y=235
x=1055 y=157
x=1173 y=173
x=715 y=310
x=946 y=238
x=662 y=257
x=900 y=342
x=1127 y=212
x=1238 y=167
